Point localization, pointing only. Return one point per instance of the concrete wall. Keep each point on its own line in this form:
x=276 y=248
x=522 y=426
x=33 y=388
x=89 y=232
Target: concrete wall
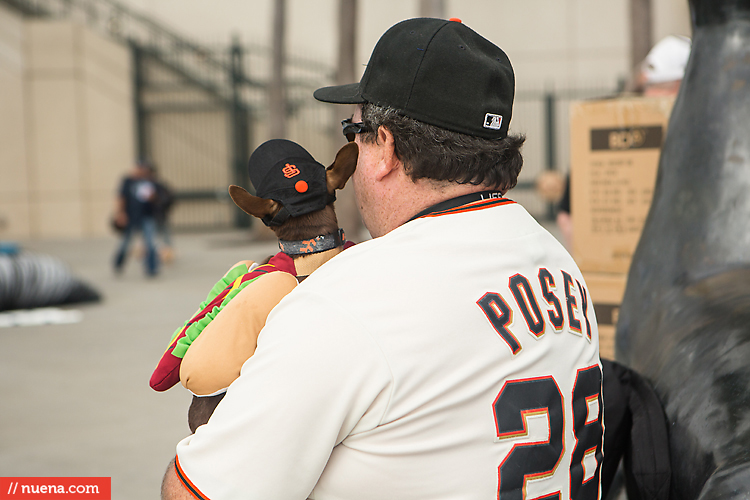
x=14 y=182
x=71 y=135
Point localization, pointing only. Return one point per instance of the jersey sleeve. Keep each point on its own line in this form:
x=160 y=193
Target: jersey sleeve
x=316 y=377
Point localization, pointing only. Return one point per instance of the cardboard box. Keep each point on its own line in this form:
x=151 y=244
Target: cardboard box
x=606 y=291
x=615 y=148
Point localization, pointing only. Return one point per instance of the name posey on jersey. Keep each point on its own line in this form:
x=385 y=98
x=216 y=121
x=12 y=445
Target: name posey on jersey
x=500 y=314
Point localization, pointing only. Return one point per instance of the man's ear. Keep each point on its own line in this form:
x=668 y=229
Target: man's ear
x=342 y=168
x=253 y=205
x=389 y=161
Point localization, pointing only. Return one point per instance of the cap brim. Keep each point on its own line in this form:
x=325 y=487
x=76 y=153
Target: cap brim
x=340 y=94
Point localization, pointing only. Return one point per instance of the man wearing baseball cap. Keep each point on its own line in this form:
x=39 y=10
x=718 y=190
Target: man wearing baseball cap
x=454 y=355
x=662 y=70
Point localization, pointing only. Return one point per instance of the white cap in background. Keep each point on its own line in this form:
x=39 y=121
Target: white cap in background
x=667 y=60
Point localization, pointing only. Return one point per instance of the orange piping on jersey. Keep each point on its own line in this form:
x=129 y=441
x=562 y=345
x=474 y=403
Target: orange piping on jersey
x=193 y=489
x=471 y=207
x=588 y=453
x=589 y=420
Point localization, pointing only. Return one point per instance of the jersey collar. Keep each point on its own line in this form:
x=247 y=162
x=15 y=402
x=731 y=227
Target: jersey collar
x=459 y=204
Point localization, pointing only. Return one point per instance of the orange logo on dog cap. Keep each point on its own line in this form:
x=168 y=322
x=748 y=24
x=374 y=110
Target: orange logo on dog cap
x=290 y=171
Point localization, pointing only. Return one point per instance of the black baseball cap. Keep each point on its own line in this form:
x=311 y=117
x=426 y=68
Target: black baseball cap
x=285 y=172
x=438 y=72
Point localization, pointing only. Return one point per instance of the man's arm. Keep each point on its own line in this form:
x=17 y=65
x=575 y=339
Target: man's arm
x=310 y=382
x=171 y=486
x=121 y=216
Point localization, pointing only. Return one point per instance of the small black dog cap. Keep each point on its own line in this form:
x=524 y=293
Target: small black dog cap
x=438 y=72
x=285 y=172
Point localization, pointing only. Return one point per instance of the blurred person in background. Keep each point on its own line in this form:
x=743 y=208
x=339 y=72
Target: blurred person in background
x=136 y=203
x=659 y=75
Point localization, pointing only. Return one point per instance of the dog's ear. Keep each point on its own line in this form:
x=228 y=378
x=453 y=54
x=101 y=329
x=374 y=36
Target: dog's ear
x=253 y=205
x=343 y=167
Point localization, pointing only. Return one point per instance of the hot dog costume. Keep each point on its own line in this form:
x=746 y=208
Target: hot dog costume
x=208 y=351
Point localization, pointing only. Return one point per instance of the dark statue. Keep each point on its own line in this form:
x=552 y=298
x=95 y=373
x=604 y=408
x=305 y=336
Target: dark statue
x=685 y=318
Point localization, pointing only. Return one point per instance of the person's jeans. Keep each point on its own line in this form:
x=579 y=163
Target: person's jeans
x=147 y=225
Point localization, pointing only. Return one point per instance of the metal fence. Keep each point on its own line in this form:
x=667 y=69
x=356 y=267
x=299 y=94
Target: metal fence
x=200 y=140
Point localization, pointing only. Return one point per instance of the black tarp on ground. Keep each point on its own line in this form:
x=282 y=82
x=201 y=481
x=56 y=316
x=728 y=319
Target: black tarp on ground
x=29 y=280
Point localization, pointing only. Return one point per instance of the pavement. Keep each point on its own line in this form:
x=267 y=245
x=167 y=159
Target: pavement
x=75 y=397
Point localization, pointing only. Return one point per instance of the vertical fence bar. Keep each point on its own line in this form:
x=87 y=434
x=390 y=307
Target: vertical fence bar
x=550 y=102
x=239 y=126
x=138 y=109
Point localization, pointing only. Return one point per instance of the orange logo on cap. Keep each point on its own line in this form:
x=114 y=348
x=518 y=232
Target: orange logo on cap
x=290 y=171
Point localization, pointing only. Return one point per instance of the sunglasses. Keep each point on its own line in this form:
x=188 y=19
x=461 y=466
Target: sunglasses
x=350 y=129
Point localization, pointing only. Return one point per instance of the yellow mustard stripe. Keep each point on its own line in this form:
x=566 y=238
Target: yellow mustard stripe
x=236 y=283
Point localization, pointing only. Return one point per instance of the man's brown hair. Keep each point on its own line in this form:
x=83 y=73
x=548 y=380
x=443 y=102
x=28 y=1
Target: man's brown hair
x=430 y=152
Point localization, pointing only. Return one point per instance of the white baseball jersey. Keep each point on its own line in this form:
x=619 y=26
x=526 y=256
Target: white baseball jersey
x=455 y=357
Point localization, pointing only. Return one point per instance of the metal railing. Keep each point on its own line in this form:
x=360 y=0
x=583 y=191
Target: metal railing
x=120 y=23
